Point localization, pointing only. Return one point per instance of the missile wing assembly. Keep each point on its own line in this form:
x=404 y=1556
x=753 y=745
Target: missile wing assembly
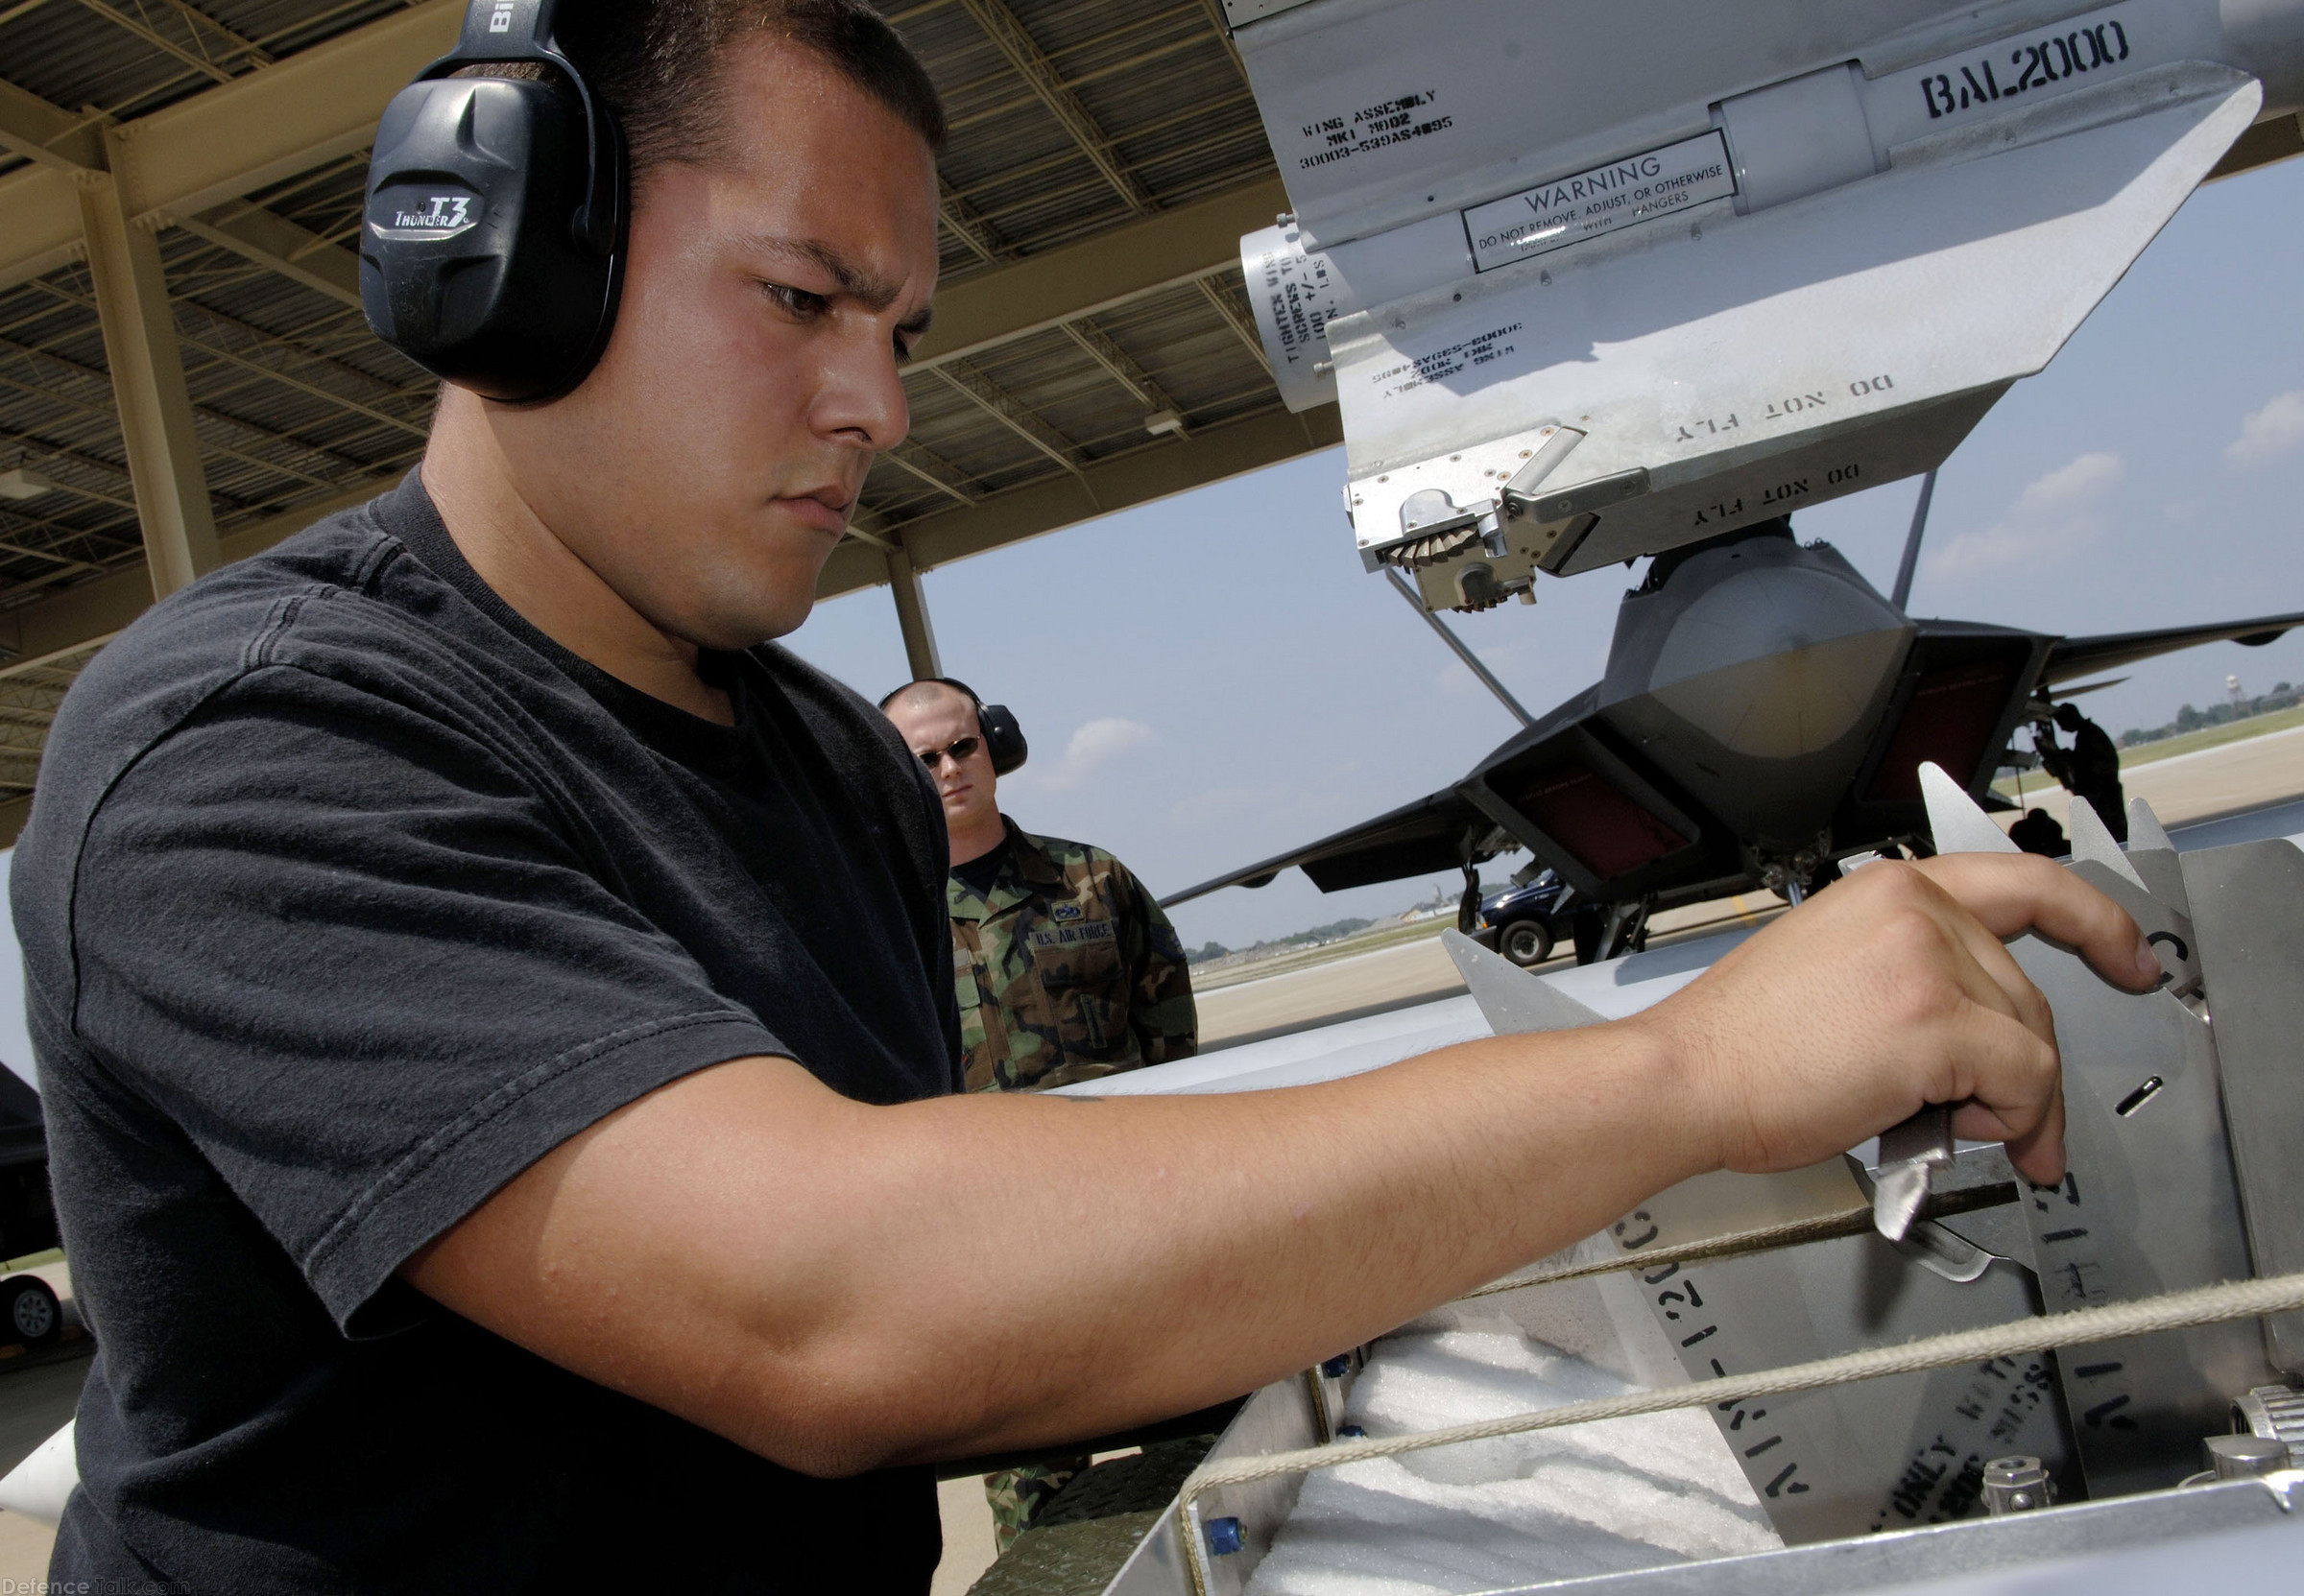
x=1766 y=1384
x=1594 y=282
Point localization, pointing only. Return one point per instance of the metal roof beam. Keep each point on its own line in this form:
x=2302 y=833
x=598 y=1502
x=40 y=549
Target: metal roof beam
x=1223 y=31
x=279 y=246
x=33 y=127
x=49 y=134
x=223 y=419
x=1219 y=295
x=1199 y=113
x=1031 y=62
x=148 y=388
x=925 y=464
x=1123 y=369
x=267 y=343
x=157 y=40
x=1099 y=274
x=961 y=218
x=1130 y=60
x=90 y=611
x=197 y=22
x=39 y=451
x=1012 y=412
x=912 y=620
x=241 y=135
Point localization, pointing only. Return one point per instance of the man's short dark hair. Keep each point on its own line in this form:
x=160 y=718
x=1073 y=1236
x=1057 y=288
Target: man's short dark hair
x=657 y=63
x=925 y=687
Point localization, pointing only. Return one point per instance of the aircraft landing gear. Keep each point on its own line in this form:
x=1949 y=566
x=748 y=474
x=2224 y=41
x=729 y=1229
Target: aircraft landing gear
x=1610 y=930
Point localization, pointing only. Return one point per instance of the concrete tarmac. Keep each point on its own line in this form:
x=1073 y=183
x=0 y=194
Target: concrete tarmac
x=2192 y=787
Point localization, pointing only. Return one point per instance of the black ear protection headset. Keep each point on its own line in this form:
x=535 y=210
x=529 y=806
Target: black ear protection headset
x=1003 y=737
x=493 y=248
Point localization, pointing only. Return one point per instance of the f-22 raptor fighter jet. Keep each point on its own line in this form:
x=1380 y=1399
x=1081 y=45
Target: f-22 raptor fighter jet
x=1764 y=713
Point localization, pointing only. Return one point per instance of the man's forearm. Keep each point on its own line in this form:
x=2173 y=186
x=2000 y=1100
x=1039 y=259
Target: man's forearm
x=1204 y=1245
x=837 y=1286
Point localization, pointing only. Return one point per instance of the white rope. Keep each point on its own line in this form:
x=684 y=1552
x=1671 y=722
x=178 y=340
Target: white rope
x=2176 y=1311
x=1846 y=1222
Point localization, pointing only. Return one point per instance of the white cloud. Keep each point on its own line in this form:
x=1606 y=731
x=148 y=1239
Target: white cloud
x=1098 y=743
x=2271 y=432
x=2054 y=517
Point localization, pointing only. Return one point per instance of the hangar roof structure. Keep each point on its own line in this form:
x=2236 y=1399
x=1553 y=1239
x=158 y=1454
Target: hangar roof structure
x=186 y=376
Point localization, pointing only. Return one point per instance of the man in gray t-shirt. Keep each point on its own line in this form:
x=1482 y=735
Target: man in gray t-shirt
x=496 y=1006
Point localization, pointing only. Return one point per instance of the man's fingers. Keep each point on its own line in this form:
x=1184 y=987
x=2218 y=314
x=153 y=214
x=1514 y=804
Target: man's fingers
x=2014 y=1093
x=1997 y=1057
x=1988 y=961
x=2033 y=1138
x=2010 y=893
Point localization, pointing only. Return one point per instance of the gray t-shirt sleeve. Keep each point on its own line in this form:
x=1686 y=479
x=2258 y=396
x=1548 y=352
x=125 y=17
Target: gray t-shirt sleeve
x=353 y=954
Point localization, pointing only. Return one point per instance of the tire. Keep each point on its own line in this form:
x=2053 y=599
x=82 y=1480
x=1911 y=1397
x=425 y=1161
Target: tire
x=29 y=1311
x=1525 y=942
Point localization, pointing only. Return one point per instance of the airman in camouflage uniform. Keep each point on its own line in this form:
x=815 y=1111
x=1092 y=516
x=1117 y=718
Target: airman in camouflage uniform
x=1067 y=972
x=1066 y=969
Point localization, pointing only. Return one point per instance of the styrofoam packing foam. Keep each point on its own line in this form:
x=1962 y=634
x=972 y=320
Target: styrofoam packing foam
x=1589 y=1499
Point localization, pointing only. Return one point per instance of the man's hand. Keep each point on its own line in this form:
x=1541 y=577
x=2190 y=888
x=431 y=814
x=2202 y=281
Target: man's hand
x=1890 y=992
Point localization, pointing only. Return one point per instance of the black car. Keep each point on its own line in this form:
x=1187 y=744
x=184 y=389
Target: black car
x=1524 y=919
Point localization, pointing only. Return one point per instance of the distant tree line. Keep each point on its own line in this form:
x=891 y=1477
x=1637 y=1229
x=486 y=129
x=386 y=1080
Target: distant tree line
x=1327 y=933
x=2188 y=719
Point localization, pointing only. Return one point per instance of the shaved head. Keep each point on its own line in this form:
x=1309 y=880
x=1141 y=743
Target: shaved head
x=920 y=695
x=940 y=724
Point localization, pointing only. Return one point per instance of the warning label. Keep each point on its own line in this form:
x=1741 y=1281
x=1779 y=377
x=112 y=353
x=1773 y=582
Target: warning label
x=1567 y=211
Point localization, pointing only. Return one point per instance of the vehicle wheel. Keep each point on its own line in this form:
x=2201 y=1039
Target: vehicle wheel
x=33 y=1314
x=1525 y=942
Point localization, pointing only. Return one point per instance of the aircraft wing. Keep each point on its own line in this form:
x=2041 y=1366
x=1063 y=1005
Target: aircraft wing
x=2078 y=657
x=1436 y=833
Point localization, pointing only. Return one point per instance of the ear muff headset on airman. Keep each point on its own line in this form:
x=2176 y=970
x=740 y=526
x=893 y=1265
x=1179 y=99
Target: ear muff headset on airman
x=492 y=249
x=1003 y=737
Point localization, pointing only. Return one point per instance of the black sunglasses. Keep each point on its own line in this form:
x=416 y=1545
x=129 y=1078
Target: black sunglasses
x=961 y=752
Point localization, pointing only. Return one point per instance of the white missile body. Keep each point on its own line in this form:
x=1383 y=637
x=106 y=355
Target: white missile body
x=1591 y=282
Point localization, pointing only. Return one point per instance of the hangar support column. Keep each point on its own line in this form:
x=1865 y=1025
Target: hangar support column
x=912 y=612
x=147 y=378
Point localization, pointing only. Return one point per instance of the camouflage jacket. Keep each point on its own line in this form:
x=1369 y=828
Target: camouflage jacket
x=1067 y=970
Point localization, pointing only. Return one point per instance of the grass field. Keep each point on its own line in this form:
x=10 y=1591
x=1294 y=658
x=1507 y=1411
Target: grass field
x=2212 y=737
x=1280 y=964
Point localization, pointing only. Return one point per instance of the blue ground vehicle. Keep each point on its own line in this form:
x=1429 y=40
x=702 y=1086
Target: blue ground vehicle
x=1522 y=920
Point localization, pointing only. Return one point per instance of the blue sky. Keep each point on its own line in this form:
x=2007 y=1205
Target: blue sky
x=1212 y=678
